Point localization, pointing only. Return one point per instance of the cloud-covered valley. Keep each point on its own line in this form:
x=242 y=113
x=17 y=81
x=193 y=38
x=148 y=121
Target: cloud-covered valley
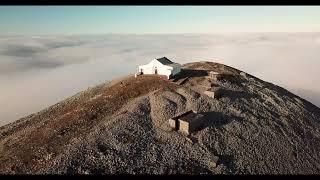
x=36 y=72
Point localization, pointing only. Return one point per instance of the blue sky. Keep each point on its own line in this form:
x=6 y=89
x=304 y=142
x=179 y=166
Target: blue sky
x=39 y=20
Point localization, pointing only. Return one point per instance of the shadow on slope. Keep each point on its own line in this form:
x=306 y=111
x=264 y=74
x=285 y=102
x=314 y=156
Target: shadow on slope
x=234 y=95
x=217 y=119
x=187 y=73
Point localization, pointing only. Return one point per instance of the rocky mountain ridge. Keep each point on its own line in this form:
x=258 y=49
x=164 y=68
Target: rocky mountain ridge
x=121 y=127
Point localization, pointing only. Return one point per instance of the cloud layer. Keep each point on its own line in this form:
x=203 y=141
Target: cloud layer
x=36 y=72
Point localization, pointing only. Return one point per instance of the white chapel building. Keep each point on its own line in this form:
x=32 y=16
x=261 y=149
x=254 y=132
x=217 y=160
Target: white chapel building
x=161 y=66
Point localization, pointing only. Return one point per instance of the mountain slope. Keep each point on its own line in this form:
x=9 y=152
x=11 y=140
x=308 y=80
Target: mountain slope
x=121 y=127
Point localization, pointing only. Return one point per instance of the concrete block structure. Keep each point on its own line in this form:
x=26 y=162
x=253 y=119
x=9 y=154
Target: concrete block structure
x=214 y=76
x=172 y=124
x=213 y=92
x=186 y=122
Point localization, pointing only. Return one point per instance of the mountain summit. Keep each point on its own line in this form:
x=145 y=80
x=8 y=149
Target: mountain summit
x=122 y=127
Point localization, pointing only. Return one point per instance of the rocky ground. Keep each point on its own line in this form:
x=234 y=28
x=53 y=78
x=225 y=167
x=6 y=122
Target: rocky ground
x=121 y=127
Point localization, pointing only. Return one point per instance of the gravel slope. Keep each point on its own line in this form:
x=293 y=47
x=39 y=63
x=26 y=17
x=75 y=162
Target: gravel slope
x=255 y=127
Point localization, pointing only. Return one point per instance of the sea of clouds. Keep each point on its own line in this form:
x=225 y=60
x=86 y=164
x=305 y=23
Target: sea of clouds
x=36 y=72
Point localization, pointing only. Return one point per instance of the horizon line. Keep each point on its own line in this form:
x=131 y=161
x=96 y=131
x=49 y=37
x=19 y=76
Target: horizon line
x=211 y=33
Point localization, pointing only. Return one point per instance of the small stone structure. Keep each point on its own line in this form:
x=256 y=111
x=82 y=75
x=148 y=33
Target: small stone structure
x=243 y=74
x=213 y=92
x=213 y=75
x=172 y=123
x=186 y=122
